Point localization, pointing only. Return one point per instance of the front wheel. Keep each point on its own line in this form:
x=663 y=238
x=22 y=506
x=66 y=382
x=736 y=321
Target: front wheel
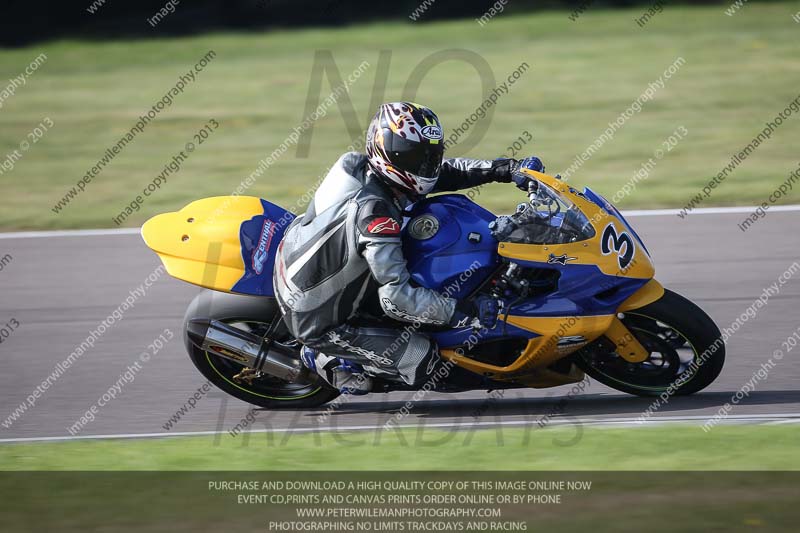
x=251 y=314
x=686 y=350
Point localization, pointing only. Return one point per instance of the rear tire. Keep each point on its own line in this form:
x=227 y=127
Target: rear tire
x=252 y=313
x=675 y=326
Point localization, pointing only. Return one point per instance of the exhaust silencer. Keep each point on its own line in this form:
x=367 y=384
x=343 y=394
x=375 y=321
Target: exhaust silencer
x=244 y=348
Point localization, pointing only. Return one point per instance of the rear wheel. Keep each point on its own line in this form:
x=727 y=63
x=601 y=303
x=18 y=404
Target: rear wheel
x=251 y=314
x=686 y=350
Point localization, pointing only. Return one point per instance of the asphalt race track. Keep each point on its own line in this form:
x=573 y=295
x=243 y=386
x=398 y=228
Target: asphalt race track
x=59 y=287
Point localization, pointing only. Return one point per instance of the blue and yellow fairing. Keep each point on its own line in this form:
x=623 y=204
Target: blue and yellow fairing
x=595 y=282
x=224 y=243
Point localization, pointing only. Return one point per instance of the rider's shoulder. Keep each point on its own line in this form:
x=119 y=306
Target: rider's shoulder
x=353 y=163
x=371 y=201
x=368 y=198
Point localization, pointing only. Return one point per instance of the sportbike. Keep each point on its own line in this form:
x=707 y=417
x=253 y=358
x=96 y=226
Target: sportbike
x=576 y=281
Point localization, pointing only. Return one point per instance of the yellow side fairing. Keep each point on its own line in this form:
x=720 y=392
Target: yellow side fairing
x=543 y=350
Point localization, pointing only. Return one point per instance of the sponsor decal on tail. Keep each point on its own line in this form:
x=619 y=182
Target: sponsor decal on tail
x=261 y=252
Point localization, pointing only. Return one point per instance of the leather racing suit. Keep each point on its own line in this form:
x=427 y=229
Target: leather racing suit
x=341 y=264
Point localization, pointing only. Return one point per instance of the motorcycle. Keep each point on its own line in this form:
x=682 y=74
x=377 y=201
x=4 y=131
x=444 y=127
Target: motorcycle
x=576 y=282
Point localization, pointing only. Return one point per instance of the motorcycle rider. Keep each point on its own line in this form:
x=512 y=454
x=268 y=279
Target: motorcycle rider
x=340 y=266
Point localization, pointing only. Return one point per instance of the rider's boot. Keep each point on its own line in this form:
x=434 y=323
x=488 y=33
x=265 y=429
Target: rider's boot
x=346 y=376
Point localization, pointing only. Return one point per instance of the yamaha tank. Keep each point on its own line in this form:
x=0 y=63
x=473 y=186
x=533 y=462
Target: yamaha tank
x=448 y=246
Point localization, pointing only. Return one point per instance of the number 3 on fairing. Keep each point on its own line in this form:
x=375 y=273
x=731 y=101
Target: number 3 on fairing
x=611 y=241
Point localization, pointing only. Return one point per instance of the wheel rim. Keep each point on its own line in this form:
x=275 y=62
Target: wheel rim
x=671 y=355
x=267 y=387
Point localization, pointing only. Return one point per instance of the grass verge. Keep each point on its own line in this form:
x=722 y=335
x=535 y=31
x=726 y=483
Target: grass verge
x=669 y=447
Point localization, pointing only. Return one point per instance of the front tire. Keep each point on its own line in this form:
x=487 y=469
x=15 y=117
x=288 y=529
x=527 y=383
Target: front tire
x=686 y=350
x=252 y=314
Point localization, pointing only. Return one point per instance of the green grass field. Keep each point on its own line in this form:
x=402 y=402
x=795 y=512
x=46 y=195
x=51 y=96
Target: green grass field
x=740 y=72
x=588 y=448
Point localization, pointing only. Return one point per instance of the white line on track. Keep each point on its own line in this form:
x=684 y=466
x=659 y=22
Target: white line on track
x=629 y=213
x=788 y=418
x=706 y=211
x=70 y=233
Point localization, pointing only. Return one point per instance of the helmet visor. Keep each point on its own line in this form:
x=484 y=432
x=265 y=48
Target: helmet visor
x=418 y=158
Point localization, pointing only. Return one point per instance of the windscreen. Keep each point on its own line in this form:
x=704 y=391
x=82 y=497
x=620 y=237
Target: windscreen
x=547 y=218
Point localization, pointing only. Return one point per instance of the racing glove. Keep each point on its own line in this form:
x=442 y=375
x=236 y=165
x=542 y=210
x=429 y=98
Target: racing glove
x=481 y=312
x=530 y=163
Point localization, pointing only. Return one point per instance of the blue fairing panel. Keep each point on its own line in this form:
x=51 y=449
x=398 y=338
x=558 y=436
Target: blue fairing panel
x=441 y=261
x=259 y=238
x=582 y=291
x=450 y=261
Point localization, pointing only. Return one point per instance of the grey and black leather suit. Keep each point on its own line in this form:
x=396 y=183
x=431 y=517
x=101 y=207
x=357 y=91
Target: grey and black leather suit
x=342 y=262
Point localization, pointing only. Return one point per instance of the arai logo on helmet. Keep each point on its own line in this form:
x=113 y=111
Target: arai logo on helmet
x=260 y=252
x=432 y=132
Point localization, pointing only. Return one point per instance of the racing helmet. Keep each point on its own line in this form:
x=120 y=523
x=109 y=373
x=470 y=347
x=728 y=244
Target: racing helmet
x=405 y=146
